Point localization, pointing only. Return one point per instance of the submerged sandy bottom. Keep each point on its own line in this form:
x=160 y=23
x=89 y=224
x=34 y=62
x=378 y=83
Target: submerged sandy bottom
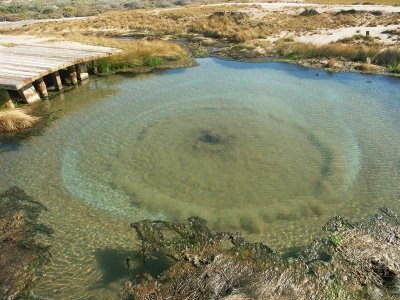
x=271 y=150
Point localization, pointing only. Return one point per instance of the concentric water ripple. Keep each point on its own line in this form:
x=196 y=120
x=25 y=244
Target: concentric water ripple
x=288 y=153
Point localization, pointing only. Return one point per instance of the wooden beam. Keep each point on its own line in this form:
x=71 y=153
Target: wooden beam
x=57 y=81
x=73 y=76
x=41 y=88
x=5 y=99
x=29 y=94
x=81 y=71
x=26 y=63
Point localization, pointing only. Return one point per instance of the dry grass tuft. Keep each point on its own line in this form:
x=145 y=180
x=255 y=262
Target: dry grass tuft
x=332 y=63
x=16 y=119
x=350 y=52
x=142 y=53
x=389 y=57
x=367 y=68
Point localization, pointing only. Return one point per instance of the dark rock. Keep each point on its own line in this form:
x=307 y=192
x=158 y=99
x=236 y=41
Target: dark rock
x=376 y=12
x=309 y=12
x=346 y=12
x=213 y=137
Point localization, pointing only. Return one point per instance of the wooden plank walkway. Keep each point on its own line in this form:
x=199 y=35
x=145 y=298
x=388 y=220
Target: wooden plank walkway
x=23 y=63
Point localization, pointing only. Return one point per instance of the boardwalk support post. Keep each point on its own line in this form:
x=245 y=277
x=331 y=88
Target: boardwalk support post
x=93 y=67
x=41 y=88
x=5 y=99
x=81 y=72
x=72 y=75
x=57 y=81
x=29 y=94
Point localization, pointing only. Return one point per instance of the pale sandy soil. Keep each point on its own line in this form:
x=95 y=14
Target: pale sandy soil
x=326 y=36
x=16 y=24
x=333 y=35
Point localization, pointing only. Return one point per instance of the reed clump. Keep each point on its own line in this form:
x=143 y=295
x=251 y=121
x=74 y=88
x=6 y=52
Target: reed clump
x=389 y=57
x=142 y=53
x=16 y=119
x=358 y=53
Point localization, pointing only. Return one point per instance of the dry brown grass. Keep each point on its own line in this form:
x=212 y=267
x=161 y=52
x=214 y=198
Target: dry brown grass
x=234 y=23
x=142 y=53
x=389 y=57
x=332 y=63
x=350 y=52
x=16 y=119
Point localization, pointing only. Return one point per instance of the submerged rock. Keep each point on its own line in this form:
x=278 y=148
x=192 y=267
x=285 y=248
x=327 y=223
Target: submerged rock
x=20 y=255
x=214 y=137
x=348 y=261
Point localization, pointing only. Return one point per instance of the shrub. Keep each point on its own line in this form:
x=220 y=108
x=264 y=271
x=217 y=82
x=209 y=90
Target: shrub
x=69 y=11
x=201 y=52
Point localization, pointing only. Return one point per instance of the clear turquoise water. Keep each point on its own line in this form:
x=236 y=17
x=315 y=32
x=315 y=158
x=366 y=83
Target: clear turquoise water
x=298 y=146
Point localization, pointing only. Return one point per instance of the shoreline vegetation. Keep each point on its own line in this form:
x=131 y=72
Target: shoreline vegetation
x=15 y=119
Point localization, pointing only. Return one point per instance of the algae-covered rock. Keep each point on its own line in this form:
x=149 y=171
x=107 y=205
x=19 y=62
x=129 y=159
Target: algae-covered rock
x=365 y=256
x=348 y=261
x=20 y=255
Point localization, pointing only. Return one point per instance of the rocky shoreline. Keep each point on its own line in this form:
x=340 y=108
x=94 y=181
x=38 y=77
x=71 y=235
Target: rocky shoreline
x=347 y=261
x=20 y=255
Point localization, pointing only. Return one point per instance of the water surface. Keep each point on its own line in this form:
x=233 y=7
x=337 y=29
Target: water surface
x=272 y=150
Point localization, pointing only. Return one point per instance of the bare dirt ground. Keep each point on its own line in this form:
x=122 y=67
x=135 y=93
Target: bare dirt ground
x=334 y=35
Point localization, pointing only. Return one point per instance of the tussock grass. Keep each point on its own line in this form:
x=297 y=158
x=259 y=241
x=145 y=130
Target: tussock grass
x=389 y=57
x=350 y=52
x=331 y=63
x=136 y=53
x=16 y=119
x=142 y=53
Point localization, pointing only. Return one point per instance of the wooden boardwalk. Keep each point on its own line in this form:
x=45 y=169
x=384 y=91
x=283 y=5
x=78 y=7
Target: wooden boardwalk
x=25 y=64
